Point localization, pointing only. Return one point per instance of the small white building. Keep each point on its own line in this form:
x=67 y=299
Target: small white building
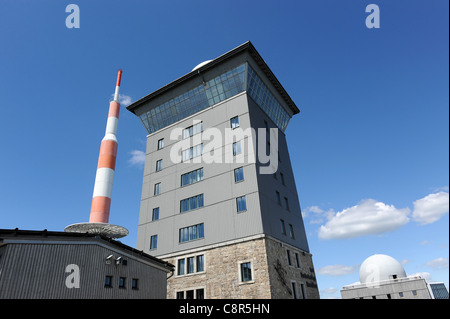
x=383 y=277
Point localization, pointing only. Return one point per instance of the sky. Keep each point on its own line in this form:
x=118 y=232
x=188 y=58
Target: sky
x=369 y=149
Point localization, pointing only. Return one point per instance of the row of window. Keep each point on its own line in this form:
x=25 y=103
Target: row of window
x=195 y=264
x=198 y=128
x=122 y=283
x=190 y=265
x=286 y=201
x=197 y=201
x=191 y=294
x=389 y=296
x=283 y=229
x=196 y=151
x=185 y=234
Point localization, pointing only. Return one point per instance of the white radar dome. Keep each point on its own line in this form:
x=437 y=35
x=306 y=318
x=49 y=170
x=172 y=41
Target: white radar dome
x=201 y=64
x=380 y=267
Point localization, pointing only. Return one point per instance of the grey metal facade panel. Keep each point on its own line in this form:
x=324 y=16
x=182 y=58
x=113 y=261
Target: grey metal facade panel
x=271 y=211
x=35 y=269
x=219 y=214
x=221 y=220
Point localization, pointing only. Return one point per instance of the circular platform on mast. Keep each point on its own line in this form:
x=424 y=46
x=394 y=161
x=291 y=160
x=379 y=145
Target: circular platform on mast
x=104 y=229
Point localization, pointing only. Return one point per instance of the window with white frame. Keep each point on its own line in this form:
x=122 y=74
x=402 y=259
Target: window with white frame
x=241 y=204
x=157 y=189
x=192 y=130
x=191 y=265
x=195 y=293
x=160 y=144
x=159 y=165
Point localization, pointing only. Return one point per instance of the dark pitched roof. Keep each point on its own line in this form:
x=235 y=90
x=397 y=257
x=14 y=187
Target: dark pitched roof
x=4 y=233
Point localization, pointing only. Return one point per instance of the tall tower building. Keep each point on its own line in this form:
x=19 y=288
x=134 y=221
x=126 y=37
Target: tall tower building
x=219 y=199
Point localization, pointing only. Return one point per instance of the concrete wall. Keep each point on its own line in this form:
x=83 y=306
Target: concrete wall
x=391 y=288
x=268 y=257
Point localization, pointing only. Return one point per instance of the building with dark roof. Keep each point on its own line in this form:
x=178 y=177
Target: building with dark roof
x=63 y=265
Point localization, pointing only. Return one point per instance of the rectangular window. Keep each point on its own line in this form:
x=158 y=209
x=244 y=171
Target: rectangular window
x=190 y=265
x=237 y=148
x=200 y=293
x=155 y=214
x=190 y=294
x=160 y=144
x=122 y=282
x=157 y=190
x=181 y=264
x=278 y=197
x=241 y=203
x=180 y=294
x=238 y=174
x=200 y=263
x=294 y=290
x=192 y=130
x=288 y=252
x=283 y=228
x=192 y=152
x=297 y=260
x=108 y=281
x=192 y=177
x=153 y=242
x=286 y=202
x=191 y=203
x=282 y=178
x=234 y=122
x=291 y=231
x=191 y=233
x=159 y=165
x=302 y=288
x=134 y=283
x=246 y=271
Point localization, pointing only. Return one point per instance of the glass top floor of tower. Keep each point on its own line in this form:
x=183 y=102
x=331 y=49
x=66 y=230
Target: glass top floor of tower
x=241 y=69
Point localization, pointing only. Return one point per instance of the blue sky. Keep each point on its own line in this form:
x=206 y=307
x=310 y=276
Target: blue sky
x=369 y=149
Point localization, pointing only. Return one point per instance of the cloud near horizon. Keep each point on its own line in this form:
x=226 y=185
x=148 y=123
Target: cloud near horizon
x=371 y=217
x=431 y=208
x=337 y=270
x=367 y=218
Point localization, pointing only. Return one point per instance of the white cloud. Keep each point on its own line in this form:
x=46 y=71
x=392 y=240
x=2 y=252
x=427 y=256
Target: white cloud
x=337 y=270
x=137 y=158
x=366 y=218
x=405 y=261
x=431 y=208
x=425 y=275
x=329 y=291
x=438 y=263
x=124 y=100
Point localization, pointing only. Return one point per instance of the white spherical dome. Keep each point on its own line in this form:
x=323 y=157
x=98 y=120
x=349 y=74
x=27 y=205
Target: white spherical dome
x=201 y=64
x=380 y=267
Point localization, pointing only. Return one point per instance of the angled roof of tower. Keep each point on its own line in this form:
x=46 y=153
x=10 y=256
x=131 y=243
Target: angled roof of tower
x=247 y=46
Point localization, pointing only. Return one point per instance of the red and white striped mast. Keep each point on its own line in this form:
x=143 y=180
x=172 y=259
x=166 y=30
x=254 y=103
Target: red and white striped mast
x=101 y=198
